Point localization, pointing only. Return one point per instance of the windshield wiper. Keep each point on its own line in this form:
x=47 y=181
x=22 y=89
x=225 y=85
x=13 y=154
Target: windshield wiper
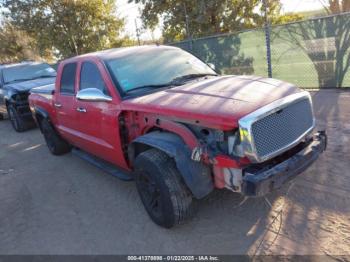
x=175 y=82
x=44 y=76
x=149 y=86
x=184 y=78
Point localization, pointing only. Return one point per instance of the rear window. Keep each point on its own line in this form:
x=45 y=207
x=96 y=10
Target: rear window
x=68 y=78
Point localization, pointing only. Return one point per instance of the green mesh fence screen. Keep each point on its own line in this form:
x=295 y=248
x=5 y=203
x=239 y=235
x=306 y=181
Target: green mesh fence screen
x=311 y=54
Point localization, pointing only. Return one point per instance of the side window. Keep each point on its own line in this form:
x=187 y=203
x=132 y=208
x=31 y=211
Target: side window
x=68 y=79
x=90 y=77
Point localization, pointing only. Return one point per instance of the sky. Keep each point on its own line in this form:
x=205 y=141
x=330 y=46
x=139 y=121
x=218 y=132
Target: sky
x=131 y=13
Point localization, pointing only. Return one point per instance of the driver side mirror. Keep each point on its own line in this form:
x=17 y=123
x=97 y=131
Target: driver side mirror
x=93 y=95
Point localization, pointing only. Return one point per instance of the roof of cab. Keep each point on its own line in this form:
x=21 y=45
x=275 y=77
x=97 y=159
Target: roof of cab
x=118 y=52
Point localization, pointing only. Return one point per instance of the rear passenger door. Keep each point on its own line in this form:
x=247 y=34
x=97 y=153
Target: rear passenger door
x=65 y=103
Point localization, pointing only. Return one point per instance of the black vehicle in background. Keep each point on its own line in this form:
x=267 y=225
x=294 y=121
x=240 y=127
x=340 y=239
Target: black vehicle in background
x=16 y=81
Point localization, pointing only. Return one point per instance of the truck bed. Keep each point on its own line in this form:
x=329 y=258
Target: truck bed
x=47 y=90
x=41 y=98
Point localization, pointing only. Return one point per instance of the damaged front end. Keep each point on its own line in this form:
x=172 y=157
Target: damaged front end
x=21 y=104
x=271 y=146
x=259 y=179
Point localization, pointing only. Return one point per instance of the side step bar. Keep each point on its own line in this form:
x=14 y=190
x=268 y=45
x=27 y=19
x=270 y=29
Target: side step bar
x=103 y=165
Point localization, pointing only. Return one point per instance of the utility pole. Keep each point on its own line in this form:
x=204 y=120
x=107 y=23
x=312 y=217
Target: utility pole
x=137 y=32
x=268 y=39
x=189 y=36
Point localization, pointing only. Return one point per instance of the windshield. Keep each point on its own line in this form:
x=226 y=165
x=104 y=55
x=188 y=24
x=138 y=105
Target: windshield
x=155 y=68
x=27 y=72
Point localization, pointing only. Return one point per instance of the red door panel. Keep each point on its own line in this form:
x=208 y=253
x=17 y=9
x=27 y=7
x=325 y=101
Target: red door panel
x=64 y=103
x=98 y=124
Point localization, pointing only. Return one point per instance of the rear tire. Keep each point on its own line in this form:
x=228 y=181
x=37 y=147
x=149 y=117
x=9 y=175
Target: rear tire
x=163 y=193
x=17 y=122
x=54 y=142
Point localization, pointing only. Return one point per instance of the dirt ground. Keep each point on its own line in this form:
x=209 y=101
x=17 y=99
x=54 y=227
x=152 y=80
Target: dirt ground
x=63 y=205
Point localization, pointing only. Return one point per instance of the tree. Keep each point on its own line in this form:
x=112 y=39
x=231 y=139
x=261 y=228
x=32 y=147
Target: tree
x=182 y=19
x=16 y=45
x=326 y=41
x=336 y=6
x=70 y=27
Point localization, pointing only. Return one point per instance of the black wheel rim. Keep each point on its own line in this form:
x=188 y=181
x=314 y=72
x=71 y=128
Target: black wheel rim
x=13 y=119
x=150 y=194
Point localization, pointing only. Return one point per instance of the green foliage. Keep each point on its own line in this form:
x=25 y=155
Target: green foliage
x=67 y=27
x=288 y=18
x=206 y=17
x=16 y=45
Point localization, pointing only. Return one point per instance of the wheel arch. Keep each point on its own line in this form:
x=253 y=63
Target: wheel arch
x=9 y=101
x=39 y=115
x=197 y=176
x=10 y=97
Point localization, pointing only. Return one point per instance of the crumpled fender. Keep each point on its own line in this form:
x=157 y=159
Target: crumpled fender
x=196 y=175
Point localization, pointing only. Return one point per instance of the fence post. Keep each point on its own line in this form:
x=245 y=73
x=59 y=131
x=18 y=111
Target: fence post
x=268 y=40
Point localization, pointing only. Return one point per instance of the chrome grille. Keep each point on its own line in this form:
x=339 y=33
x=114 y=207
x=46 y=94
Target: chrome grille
x=278 y=130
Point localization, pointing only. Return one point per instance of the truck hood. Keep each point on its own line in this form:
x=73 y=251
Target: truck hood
x=28 y=85
x=217 y=101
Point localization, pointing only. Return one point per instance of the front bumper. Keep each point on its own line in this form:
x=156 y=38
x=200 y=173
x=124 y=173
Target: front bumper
x=260 y=181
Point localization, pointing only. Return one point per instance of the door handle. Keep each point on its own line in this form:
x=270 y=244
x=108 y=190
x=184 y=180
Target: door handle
x=81 y=110
x=58 y=105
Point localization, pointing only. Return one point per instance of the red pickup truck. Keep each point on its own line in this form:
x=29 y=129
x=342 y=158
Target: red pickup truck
x=162 y=117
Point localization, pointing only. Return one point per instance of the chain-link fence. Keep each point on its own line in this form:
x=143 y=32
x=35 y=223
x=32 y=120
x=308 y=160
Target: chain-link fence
x=313 y=53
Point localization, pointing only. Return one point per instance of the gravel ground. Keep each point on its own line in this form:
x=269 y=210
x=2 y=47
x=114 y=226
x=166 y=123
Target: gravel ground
x=63 y=205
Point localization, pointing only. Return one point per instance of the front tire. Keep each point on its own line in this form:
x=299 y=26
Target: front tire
x=163 y=193
x=55 y=143
x=17 y=122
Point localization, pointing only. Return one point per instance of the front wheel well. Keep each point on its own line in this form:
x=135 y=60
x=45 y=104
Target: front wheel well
x=197 y=175
x=40 y=115
x=39 y=118
x=139 y=148
x=136 y=149
x=156 y=139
